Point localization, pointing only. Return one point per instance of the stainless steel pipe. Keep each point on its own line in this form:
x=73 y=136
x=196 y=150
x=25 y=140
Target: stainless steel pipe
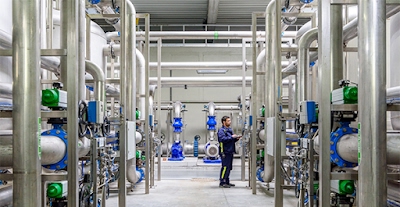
x=269 y=80
x=372 y=111
x=99 y=80
x=26 y=103
x=304 y=62
x=6 y=196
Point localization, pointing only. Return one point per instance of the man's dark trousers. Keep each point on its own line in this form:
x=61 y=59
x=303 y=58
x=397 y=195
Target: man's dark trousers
x=226 y=168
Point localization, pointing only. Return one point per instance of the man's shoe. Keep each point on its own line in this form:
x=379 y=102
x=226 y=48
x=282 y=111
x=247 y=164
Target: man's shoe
x=231 y=185
x=224 y=186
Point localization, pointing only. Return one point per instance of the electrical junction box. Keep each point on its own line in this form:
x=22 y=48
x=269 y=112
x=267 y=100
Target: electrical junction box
x=57 y=189
x=96 y=112
x=308 y=114
x=345 y=95
x=54 y=98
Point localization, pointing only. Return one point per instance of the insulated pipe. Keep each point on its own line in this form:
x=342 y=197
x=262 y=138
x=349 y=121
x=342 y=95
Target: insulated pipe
x=269 y=77
x=142 y=84
x=6 y=90
x=394 y=92
x=201 y=35
x=211 y=109
x=347 y=148
x=115 y=22
x=372 y=111
x=6 y=196
x=131 y=173
x=202 y=81
x=228 y=108
x=99 y=80
x=26 y=88
x=81 y=47
x=349 y=32
x=193 y=65
x=304 y=62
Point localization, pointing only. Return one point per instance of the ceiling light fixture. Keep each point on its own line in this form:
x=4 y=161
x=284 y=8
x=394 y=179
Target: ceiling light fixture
x=211 y=71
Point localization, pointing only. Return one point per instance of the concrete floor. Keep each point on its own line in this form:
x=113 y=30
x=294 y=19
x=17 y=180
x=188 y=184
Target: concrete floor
x=192 y=183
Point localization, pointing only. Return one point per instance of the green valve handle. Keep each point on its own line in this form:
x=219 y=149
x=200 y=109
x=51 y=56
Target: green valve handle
x=138 y=154
x=54 y=190
x=137 y=115
x=49 y=96
x=346 y=187
x=351 y=93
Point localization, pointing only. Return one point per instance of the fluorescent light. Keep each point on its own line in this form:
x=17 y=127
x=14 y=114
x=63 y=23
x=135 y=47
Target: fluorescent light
x=211 y=71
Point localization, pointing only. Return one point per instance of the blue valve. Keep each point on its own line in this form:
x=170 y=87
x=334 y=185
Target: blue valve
x=211 y=123
x=177 y=125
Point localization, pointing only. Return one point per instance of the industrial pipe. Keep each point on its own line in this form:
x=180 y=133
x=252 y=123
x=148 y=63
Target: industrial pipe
x=53 y=150
x=6 y=196
x=393 y=94
x=181 y=35
x=349 y=32
x=142 y=84
x=26 y=103
x=194 y=65
x=347 y=148
x=372 y=108
x=269 y=80
x=304 y=62
x=99 y=80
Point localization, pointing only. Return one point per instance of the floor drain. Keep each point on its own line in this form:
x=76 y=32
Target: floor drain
x=203 y=180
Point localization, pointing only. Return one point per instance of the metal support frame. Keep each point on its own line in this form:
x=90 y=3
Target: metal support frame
x=123 y=104
x=243 y=101
x=147 y=108
x=254 y=106
x=280 y=130
x=159 y=42
x=70 y=76
x=26 y=116
x=372 y=111
x=324 y=119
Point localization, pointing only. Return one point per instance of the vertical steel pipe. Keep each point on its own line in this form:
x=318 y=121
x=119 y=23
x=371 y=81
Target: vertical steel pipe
x=269 y=80
x=304 y=63
x=243 y=101
x=325 y=66
x=372 y=110
x=81 y=49
x=277 y=107
x=159 y=42
x=255 y=97
x=337 y=45
x=26 y=116
x=99 y=80
x=147 y=108
x=124 y=106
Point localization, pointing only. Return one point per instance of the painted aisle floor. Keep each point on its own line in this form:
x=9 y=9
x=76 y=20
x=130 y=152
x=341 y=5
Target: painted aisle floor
x=192 y=183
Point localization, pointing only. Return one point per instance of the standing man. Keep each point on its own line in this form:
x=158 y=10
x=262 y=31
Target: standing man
x=226 y=140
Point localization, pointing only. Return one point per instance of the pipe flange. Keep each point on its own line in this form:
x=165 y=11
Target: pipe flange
x=335 y=137
x=59 y=132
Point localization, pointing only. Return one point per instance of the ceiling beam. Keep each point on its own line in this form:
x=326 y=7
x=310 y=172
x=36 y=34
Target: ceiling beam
x=212 y=14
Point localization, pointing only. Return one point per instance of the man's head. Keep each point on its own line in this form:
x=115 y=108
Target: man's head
x=226 y=121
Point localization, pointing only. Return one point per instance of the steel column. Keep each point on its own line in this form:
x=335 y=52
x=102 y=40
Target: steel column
x=254 y=113
x=70 y=77
x=277 y=107
x=372 y=111
x=159 y=106
x=26 y=117
x=123 y=104
x=243 y=101
x=81 y=49
x=324 y=118
x=147 y=108
x=337 y=45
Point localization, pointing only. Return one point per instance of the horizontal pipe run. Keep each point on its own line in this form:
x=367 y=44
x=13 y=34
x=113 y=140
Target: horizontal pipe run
x=181 y=35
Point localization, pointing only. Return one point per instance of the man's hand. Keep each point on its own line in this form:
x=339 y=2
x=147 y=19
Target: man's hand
x=235 y=136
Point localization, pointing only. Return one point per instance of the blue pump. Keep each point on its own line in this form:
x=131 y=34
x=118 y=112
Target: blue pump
x=176 y=152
